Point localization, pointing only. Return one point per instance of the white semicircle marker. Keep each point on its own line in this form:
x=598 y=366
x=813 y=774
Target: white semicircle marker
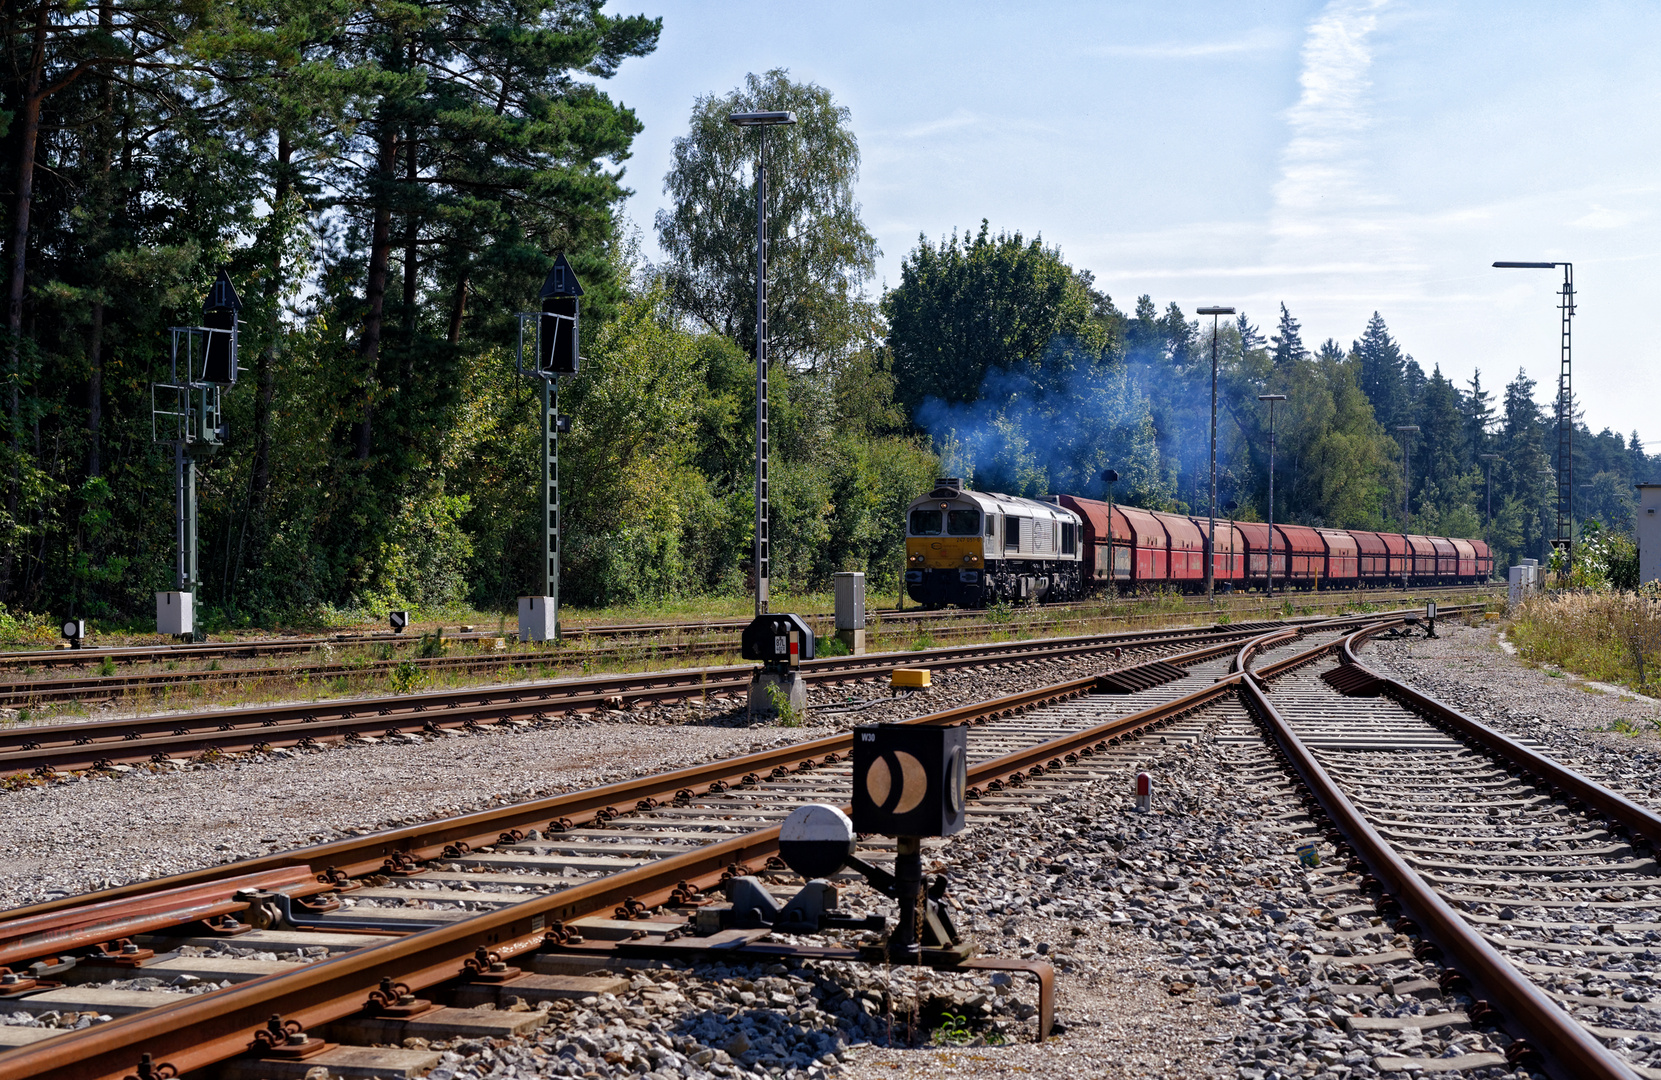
x=914 y=782
x=878 y=781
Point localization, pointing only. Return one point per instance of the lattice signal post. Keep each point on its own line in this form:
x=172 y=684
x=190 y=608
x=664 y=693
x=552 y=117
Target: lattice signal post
x=1564 y=539
x=555 y=351
x=761 y=121
x=188 y=414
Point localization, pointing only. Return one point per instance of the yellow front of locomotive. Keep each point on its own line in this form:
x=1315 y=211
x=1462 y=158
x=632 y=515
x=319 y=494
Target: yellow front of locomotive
x=946 y=549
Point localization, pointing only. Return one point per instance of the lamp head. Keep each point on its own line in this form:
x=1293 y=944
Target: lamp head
x=1214 y=311
x=761 y=119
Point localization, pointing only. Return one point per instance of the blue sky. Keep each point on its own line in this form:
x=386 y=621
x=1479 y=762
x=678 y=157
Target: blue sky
x=1343 y=157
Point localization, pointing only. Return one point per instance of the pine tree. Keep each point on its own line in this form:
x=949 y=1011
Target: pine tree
x=1381 y=374
x=1476 y=405
x=1288 y=340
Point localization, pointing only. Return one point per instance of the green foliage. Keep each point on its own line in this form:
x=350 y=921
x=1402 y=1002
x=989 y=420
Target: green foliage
x=967 y=307
x=820 y=253
x=788 y=715
x=407 y=677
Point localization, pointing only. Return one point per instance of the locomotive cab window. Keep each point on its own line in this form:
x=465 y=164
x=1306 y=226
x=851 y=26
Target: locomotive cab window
x=991 y=521
x=963 y=522
x=1012 y=533
x=925 y=522
x=1067 y=543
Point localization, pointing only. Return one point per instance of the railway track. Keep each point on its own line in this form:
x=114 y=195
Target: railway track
x=70 y=747
x=1536 y=883
x=650 y=633
x=647 y=844
x=1493 y=854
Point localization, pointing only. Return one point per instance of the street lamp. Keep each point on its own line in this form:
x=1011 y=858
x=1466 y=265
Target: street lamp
x=1408 y=431
x=1271 y=399
x=1488 y=524
x=763 y=551
x=1211 y=536
x=1565 y=407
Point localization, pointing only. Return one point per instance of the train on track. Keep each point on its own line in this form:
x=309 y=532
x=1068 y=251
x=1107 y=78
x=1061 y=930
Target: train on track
x=974 y=548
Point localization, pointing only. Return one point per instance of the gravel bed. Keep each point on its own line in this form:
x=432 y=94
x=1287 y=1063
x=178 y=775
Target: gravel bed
x=95 y=831
x=1612 y=738
x=1190 y=942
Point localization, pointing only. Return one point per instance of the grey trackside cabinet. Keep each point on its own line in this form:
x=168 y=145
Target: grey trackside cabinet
x=1649 y=532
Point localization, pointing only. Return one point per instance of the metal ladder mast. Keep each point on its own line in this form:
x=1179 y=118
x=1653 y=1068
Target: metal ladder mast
x=1565 y=423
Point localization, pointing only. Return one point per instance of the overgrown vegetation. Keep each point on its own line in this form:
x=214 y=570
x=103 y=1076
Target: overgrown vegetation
x=1606 y=635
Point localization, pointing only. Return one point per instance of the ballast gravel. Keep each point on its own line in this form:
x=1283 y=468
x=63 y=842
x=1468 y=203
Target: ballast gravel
x=96 y=831
x=1190 y=941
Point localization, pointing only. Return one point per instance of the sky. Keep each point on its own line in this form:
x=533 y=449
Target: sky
x=1341 y=158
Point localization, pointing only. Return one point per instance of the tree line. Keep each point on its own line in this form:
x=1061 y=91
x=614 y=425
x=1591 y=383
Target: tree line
x=1031 y=380
x=387 y=184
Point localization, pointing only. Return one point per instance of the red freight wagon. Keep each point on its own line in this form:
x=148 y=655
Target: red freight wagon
x=1447 y=558
x=1466 y=570
x=1424 y=557
x=1397 y=543
x=1097 y=559
x=1308 y=554
x=1149 y=546
x=1230 y=555
x=1342 y=557
x=1187 y=547
x=1373 y=558
x=1256 y=535
x=1484 y=559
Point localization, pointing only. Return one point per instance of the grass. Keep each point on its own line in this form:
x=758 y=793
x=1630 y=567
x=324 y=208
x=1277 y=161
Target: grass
x=1607 y=636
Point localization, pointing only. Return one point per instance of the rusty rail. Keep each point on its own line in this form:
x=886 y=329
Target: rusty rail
x=214 y=1027
x=1570 y=1050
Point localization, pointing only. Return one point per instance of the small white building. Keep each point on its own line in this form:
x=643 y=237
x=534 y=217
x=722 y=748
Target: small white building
x=1649 y=532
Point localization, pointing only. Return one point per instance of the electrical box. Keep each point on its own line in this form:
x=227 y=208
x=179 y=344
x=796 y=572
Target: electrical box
x=538 y=619
x=1649 y=533
x=175 y=613
x=850 y=601
x=777 y=639
x=910 y=780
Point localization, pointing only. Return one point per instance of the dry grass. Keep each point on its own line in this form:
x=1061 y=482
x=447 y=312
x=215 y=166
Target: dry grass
x=1612 y=637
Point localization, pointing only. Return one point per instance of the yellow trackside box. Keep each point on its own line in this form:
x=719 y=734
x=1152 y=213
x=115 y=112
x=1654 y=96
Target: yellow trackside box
x=909 y=678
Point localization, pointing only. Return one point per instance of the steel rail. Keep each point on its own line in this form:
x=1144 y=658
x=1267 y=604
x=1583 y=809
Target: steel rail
x=366 y=854
x=76 y=746
x=213 y=1027
x=1636 y=819
x=33 y=693
x=1571 y=1052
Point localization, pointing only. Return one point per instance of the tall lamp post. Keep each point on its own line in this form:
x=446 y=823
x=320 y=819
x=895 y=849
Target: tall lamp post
x=1408 y=431
x=1271 y=399
x=1565 y=407
x=761 y=121
x=1488 y=523
x=1211 y=535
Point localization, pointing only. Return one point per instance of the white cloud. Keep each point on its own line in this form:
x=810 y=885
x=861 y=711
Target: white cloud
x=1322 y=198
x=1602 y=217
x=1256 y=41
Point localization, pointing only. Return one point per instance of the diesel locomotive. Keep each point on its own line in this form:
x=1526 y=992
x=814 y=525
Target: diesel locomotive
x=973 y=548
